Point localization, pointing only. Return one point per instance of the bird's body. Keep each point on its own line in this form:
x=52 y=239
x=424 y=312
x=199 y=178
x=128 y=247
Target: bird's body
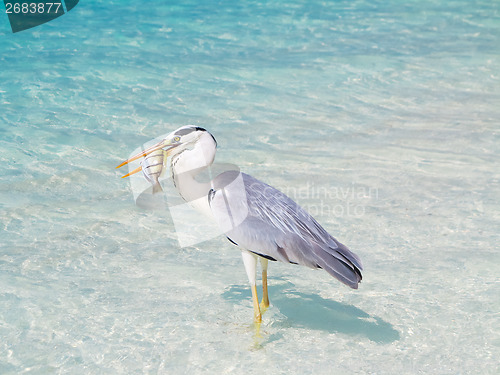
x=278 y=229
x=258 y=218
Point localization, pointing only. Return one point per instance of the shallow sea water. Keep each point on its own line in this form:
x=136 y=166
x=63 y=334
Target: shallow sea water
x=380 y=118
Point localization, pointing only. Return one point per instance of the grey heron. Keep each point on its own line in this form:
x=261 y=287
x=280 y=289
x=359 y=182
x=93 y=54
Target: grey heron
x=262 y=221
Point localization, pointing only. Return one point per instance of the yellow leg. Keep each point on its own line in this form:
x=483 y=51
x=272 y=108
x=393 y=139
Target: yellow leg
x=265 y=296
x=257 y=316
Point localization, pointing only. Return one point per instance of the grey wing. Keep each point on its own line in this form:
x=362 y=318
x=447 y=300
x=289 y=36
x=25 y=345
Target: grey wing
x=263 y=220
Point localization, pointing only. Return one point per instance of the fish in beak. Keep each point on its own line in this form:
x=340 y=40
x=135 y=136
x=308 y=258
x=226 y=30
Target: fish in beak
x=167 y=144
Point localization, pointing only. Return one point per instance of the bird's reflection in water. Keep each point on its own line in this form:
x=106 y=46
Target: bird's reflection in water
x=311 y=311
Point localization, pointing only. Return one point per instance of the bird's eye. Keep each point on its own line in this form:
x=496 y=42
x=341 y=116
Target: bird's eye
x=177 y=139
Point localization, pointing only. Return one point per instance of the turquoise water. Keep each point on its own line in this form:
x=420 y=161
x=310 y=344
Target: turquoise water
x=380 y=118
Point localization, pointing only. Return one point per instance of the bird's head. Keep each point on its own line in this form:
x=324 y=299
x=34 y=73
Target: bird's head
x=185 y=138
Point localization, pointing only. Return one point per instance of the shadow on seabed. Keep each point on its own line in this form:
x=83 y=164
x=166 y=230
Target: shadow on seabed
x=311 y=311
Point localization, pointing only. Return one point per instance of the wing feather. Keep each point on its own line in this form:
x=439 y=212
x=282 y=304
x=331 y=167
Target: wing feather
x=275 y=226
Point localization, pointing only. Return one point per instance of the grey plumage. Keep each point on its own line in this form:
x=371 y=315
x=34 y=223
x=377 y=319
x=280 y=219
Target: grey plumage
x=277 y=228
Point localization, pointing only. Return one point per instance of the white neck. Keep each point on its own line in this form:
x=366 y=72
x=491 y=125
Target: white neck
x=191 y=173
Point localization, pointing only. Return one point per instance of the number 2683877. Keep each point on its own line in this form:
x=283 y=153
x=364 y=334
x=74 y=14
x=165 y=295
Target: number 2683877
x=32 y=8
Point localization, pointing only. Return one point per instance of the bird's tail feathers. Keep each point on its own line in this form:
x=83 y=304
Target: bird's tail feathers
x=344 y=265
x=347 y=254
